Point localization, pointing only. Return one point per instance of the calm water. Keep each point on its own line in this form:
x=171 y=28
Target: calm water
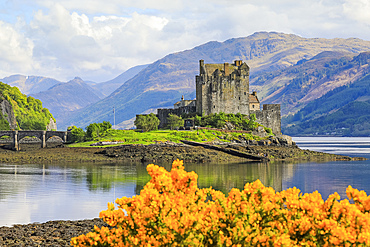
x=39 y=193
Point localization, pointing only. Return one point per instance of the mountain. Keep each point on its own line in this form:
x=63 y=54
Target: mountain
x=30 y=84
x=163 y=82
x=108 y=87
x=344 y=110
x=65 y=97
x=308 y=80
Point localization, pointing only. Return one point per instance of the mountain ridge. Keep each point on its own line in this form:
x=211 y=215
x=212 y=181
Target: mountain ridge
x=264 y=53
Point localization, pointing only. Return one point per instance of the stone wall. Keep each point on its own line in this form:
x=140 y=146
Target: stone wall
x=162 y=114
x=270 y=117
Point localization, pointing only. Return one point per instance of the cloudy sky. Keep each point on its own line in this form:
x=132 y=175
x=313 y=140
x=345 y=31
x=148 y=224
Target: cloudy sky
x=99 y=39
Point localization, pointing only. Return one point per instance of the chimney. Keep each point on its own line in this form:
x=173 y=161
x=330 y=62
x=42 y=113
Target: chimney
x=201 y=66
x=226 y=69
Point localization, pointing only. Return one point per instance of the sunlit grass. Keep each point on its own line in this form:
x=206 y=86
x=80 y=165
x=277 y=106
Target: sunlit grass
x=137 y=137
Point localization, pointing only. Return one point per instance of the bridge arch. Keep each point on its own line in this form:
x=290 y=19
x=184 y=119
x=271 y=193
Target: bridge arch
x=9 y=133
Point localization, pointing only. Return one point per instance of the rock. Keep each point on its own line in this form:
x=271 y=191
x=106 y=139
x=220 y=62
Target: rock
x=51 y=233
x=8 y=113
x=285 y=140
x=52 y=125
x=274 y=140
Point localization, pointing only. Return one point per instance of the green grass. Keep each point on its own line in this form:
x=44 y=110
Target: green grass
x=137 y=137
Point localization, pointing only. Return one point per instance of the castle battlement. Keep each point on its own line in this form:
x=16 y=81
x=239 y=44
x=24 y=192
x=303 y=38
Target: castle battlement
x=222 y=88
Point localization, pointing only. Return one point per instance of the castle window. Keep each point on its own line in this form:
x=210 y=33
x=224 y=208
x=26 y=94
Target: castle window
x=214 y=106
x=245 y=93
x=239 y=98
x=252 y=106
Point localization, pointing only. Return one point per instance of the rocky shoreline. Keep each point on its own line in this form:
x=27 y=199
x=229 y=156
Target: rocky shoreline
x=163 y=152
x=51 y=233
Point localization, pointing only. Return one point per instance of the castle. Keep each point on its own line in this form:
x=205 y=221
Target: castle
x=225 y=88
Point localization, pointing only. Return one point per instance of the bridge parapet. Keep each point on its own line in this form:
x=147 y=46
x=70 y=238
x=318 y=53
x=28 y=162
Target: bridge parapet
x=43 y=135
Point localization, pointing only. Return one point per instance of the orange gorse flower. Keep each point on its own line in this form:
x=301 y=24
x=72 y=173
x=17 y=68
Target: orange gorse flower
x=172 y=211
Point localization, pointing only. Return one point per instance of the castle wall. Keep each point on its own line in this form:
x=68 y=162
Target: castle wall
x=162 y=114
x=270 y=117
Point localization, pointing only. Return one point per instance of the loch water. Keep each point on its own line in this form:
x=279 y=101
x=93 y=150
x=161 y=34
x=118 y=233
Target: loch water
x=44 y=192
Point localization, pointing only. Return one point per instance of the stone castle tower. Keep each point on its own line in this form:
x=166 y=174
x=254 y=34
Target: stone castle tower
x=225 y=88
x=222 y=88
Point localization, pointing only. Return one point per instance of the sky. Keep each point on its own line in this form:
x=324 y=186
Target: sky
x=99 y=39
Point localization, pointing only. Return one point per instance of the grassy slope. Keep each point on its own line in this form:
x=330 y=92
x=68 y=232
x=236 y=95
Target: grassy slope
x=136 y=137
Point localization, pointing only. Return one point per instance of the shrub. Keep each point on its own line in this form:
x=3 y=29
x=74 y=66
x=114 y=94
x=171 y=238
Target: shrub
x=218 y=120
x=172 y=211
x=174 y=121
x=147 y=122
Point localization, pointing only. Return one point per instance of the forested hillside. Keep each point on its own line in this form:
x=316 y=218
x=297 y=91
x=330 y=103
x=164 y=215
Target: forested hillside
x=342 y=111
x=29 y=113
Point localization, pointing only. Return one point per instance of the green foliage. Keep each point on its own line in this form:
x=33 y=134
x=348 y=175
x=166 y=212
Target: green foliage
x=4 y=125
x=269 y=131
x=240 y=121
x=95 y=130
x=77 y=134
x=28 y=111
x=147 y=122
x=174 y=121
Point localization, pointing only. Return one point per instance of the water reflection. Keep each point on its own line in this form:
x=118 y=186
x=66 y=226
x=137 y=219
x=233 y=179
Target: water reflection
x=38 y=193
x=224 y=177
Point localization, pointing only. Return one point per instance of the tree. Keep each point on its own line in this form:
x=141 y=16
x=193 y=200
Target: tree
x=77 y=134
x=96 y=130
x=174 y=121
x=4 y=124
x=147 y=122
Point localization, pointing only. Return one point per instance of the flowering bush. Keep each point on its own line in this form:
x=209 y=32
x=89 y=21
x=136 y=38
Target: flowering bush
x=172 y=211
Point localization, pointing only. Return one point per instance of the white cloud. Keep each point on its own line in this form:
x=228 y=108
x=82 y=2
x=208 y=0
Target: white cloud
x=357 y=10
x=98 y=40
x=15 y=49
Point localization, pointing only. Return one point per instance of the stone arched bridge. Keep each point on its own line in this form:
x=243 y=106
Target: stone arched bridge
x=17 y=135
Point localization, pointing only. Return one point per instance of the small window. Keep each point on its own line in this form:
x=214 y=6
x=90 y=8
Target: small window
x=214 y=106
x=245 y=93
x=252 y=106
x=239 y=98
